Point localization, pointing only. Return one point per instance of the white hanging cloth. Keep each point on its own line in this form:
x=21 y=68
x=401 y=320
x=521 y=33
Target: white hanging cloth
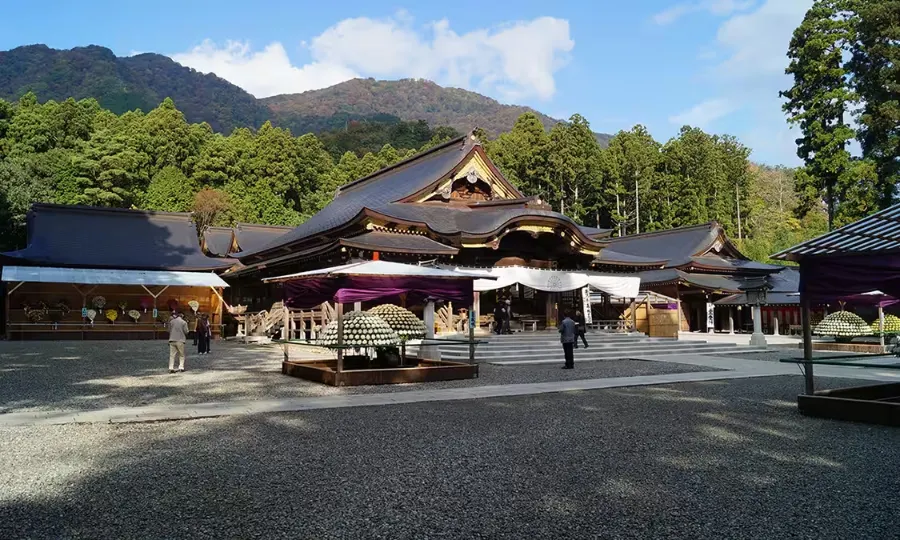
x=622 y=285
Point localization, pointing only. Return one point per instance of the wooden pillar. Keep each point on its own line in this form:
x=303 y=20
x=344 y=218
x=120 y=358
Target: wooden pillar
x=678 y=301
x=476 y=306
x=731 y=320
x=340 y=344
x=807 y=344
x=634 y=314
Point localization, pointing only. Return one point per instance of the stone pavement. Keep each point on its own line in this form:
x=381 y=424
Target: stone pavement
x=735 y=368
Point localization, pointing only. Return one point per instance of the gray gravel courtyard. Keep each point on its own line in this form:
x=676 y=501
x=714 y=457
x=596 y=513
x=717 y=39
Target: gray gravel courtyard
x=714 y=460
x=99 y=374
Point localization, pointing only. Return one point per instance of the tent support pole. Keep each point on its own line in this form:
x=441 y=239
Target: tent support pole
x=807 y=344
x=339 y=367
x=881 y=325
x=8 y=299
x=286 y=330
x=472 y=322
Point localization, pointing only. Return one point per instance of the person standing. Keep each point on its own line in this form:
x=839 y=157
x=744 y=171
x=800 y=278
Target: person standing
x=204 y=334
x=581 y=328
x=507 y=316
x=567 y=334
x=178 y=331
x=499 y=316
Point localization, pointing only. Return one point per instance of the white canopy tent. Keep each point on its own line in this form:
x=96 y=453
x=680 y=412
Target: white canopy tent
x=96 y=276
x=553 y=280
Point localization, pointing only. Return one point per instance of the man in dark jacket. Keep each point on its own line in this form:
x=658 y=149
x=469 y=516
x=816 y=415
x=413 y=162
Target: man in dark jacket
x=567 y=333
x=499 y=316
x=581 y=329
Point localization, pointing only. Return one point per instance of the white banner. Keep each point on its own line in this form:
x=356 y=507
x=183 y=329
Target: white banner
x=586 y=305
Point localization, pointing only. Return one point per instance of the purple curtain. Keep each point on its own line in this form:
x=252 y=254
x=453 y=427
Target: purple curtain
x=309 y=293
x=827 y=279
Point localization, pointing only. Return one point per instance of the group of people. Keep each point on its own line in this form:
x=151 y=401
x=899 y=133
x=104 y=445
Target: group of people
x=178 y=334
x=570 y=330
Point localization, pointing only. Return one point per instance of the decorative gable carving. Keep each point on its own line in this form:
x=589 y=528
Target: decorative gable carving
x=474 y=181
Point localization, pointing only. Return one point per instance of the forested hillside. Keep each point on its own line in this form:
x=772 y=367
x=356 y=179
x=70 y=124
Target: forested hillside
x=127 y=83
x=76 y=152
x=123 y=84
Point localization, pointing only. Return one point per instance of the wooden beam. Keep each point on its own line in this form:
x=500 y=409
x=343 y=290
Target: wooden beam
x=339 y=367
x=807 y=344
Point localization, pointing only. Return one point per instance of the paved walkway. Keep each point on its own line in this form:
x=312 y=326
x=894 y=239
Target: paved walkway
x=736 y=368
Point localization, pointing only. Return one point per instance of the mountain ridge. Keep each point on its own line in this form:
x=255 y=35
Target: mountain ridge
x=144 y=80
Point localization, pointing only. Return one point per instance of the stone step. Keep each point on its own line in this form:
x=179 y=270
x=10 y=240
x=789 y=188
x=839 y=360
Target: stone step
x=558 y=358
x=513 y=346
x=592 y=353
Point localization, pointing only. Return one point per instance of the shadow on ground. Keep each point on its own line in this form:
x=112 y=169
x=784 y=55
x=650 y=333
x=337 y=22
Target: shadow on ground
x=729 y=459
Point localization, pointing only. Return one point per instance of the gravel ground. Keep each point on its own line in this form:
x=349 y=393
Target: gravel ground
x=100 y=374
x=716 y=460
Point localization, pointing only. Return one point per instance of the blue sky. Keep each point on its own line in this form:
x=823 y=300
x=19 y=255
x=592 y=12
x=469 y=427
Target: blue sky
x=716 y=64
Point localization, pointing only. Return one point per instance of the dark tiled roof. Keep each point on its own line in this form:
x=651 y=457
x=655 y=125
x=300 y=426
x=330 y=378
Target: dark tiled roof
x=381 y=188
x=595 y=233
x=878 y=233
x=713 y=282
x=90 y=237
x=218 y=241
x=251 y=237
x=390 y=242
x=714 y=261
x=451 y=219
x=772 y=299
x=611 y=256
x=674 y=245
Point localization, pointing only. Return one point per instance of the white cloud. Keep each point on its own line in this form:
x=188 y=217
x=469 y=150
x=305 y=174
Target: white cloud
x=263 y=73
x=719 y=8
x=757 y=42
x=704 y=114
x=514 y=61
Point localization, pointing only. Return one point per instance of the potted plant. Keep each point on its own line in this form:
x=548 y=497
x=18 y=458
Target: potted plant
x=112 y=315
x=135 y=315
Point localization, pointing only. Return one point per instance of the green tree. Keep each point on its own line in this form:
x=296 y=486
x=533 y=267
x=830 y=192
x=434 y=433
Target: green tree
x=170 y=190
x=522 y=155
x=574 y=160
x=876 y=75
x=630 y=167
x=820 y=101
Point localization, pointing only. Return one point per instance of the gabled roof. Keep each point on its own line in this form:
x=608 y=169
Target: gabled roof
x=93 y=237
x=878 y=233
x=251 y=237
x=671 y=276
x=698 y=247
x=380 y=188
x=675 y=245
x=217 y=241
x=398 y=243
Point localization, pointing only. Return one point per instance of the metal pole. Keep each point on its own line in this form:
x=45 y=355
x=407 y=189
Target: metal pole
x=881 y=325
x=340 y=343
x=472 y=332
x=286 y=329
x=807 y=344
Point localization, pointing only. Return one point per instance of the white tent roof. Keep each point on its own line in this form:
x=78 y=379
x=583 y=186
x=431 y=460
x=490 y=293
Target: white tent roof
x=376 y=268
x=553 y=280
x=92 y=276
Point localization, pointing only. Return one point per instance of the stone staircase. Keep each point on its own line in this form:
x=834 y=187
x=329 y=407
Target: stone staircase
x=543 y=348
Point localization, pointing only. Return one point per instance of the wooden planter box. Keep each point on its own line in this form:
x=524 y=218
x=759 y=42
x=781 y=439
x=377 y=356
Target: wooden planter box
x=323 y=371
x=876 y=404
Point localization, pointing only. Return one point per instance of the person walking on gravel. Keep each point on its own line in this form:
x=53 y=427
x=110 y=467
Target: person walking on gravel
x=567 y=334
x=178 y=331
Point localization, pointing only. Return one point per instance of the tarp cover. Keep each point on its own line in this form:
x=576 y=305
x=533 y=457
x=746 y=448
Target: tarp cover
x=94 y=276
x=371 y=280
x=554 y=280
x=826 y=279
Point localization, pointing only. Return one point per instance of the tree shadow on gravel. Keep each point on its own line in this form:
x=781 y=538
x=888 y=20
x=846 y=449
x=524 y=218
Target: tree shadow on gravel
x=700 y=460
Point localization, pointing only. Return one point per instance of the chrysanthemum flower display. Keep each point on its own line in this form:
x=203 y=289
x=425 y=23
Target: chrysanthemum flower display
x=135 y=314
x=194 y=305
x=112 y=315
x=401 y=320
x=361 y=329
x=91 y=315
x=842 y=326
x=98 y=302
x=891 y=325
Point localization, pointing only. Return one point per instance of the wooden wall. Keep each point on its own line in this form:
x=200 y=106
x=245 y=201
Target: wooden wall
x=72 y=326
